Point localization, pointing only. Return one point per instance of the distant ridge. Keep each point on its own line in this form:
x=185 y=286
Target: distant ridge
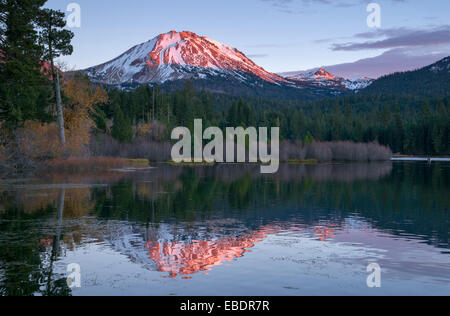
x=430 y=81
x=322 y=78
x=376 y=67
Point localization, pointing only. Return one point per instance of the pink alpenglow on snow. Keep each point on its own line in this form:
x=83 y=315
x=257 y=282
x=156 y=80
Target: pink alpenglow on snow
x=178 y=55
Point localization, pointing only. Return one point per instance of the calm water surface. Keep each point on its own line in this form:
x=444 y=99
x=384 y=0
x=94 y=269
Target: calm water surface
x=228 y=230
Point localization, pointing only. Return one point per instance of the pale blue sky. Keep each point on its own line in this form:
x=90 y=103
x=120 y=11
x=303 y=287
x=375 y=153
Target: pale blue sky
x=280 y=35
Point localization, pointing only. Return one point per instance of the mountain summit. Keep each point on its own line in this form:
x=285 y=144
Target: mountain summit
x=178 y=55
x=322 y=78
x=320 y=74
x=172 y=58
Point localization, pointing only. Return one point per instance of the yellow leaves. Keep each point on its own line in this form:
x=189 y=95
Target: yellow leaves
x=78 y=139
x=144 y=129
x=83 y=97
x=36 y=141
x=153 y=130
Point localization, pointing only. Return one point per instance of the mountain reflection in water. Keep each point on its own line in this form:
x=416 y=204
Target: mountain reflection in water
x=199 y=256
x=186 y=221
x=178 y=258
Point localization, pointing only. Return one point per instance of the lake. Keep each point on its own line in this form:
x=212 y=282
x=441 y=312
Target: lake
x=229 y=230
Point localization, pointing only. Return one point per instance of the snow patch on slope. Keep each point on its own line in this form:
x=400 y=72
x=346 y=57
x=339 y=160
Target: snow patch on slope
x=172 y=55
x=322 y=78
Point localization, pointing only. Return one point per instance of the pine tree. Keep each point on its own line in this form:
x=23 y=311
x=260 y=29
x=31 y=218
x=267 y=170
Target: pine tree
x=425 y=129
x=298 y=125
x=122 y=130
x=398 y=131
x=23 y=88
x=309 y=139
x=55 y=42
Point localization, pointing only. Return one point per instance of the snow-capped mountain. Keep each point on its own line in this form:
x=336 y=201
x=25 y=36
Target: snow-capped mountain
x=171 y=58
x=314 y=75
x=322 y=79
x=179 y=55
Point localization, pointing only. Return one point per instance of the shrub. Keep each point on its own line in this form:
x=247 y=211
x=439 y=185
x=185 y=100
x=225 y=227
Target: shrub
x=292 y=151
x=105 y=145
x=36 y=142
x=334 y=151
x=319 y=151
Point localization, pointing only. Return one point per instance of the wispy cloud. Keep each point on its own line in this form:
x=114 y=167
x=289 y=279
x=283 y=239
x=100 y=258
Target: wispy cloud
x=288 y=6
x=394 y=60
x=397 y=37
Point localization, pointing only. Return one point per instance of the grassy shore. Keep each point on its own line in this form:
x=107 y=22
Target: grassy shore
x=76 y=164
x=303 y=161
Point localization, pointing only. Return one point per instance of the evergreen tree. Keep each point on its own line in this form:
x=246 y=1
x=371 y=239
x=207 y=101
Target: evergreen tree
x=23 y=89
x=100 y=119
x=360 y=118
x=55 y=42
x=298 y=125
x=309 y=139
x=122 y=129
x=398 y=136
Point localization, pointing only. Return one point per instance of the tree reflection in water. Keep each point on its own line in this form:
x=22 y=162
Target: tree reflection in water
x=183 y=221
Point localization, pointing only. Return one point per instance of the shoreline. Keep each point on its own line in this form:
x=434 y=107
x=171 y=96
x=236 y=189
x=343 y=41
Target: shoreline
x=76 y=165
x=419 y=158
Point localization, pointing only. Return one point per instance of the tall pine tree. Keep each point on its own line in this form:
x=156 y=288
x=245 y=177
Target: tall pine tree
x=55 y=42
x=23 y=89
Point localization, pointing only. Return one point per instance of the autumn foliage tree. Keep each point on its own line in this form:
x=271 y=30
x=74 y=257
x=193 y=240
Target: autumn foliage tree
x=36 y=141
x=82 y=99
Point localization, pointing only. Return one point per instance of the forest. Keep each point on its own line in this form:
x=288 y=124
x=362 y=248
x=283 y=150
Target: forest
x=46 y=114
x=407 y=124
